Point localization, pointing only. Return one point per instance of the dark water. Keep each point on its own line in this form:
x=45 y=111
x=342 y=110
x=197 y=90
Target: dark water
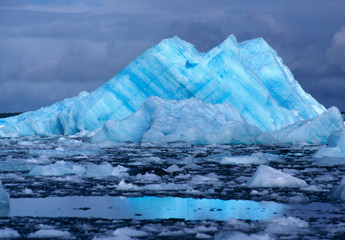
x=164 y=192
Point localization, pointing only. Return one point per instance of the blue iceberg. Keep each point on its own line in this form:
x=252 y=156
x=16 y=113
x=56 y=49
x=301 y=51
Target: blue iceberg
x=242 y=90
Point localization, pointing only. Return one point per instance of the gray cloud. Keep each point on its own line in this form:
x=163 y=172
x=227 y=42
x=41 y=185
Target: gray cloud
x=72 y=46
x=336 y=52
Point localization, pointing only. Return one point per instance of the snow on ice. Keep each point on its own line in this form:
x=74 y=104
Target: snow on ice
x=235 y=93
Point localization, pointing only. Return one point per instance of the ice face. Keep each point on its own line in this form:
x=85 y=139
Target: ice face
x=312 y=130
x=189 y=120
x=249 y=78
x=335 y=148
x=42 y=122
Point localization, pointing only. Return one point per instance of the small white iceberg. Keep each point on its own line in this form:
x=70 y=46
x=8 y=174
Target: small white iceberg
x=266 y=176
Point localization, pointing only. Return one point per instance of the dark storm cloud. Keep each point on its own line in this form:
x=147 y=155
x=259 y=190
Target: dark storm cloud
x=55 y=49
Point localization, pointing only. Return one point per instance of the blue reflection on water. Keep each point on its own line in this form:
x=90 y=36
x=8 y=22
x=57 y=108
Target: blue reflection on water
x=147 y=207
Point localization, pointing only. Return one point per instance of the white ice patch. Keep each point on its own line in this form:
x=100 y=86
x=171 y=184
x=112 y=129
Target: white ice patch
x=95 y=170
x=49 y=233
x=129 y=232
x=285 y=225
x=123 y=186
x=173 y=168
x=59 y=168
x=209 y=178
x=255 y=158
x=148 y=177
x=243 y=236
x=120 y=171
x=266 y=176
x=7 y=233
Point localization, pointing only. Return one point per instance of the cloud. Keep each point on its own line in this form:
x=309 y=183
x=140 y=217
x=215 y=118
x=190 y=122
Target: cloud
x=336 y=52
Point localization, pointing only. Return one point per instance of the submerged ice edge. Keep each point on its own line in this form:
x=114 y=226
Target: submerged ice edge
x=141 y=208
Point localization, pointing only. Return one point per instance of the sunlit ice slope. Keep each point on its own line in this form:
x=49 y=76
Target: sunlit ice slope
x=248 y=76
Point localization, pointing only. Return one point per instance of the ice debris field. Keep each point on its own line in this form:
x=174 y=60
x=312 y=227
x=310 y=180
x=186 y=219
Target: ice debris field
x=180 y=144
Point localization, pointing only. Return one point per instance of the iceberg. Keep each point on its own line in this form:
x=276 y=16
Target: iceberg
x=245 y=83
x=269 y=177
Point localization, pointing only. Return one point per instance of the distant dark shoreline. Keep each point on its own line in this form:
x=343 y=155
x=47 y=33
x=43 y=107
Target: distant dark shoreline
x=5 y=115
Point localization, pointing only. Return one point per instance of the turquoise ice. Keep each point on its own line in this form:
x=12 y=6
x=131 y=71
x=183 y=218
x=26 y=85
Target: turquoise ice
x=249 y=77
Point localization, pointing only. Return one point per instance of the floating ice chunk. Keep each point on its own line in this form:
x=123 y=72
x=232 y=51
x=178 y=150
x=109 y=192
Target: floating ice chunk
x=50 y=233
x=266 y=176
x=286 y=225
x=4 y=198
x=167 y=186
x=123 y=186
x=60 y=152
x=203 y=236
x=129 y=232
x=209 y=178
x=102 y=170
x=149 y=177
x=173 y=168
x=120 y=171
x=27 y=191
x=338 y=193
x=255 y=158
x=14 y=165
x=312 y=130
x=312 y=188
x=7 y=233
x=239 y=235
x=335 y=148
x=59 y=168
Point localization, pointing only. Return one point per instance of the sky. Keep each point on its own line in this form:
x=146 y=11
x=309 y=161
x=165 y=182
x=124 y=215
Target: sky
x=51 y=50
